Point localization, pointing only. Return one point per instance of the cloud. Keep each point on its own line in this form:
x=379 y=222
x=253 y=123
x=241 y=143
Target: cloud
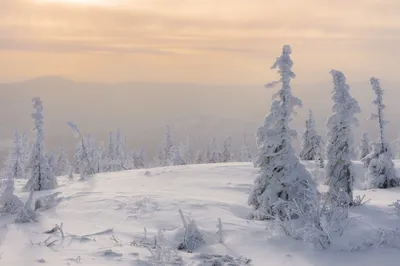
x=197 y=41
x=152 y=26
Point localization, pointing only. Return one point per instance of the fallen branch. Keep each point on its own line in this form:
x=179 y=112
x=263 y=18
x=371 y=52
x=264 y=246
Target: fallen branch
x=56 y=228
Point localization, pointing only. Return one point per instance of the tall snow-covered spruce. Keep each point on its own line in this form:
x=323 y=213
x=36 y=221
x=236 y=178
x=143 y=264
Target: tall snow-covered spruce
x=381 y=171
x=311 y=144
x=41 y=174
x=340 y=150
x=282 y=178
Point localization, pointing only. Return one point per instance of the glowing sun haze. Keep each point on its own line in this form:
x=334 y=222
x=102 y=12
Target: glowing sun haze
x=207 y=41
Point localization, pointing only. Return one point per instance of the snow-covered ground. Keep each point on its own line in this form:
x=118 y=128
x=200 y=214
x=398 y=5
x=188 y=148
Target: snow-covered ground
x=104 y=219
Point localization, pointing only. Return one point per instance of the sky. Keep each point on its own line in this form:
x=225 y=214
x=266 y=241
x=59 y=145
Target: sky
x=206 y=42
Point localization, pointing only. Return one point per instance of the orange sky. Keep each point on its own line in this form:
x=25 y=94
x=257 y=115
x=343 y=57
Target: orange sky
x=202 y=41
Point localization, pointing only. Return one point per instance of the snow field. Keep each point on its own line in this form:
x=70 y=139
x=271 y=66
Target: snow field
x=104 y=219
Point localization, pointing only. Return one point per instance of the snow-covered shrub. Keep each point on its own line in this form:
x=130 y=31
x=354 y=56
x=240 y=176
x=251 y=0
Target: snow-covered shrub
x=11 y=203
x=382 y=237
x=396 y=206
x=221 y=260
x=192 y=237
x=381 y=171
x=317 y=223
x=282 y=177
x=339 y=150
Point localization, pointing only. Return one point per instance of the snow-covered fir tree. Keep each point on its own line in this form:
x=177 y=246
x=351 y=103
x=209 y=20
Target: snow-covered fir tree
x=212 y=155
x=226 y=153
x=282 y=178
x=245 y=154
x=62 y=162
x=83 y=157
x=120 y=157
x=118 y=143
x=26 y=148
x=165 y=153
x=175 y=157
x=15 y=160
x=381 y=172
x=41 y=174
x=102 y=159
x=51 y=160
x=186 y=152
x=127 y=155
x=199 y=157
x=78 y=157
x=339 y=150
x=365 y=147
x=139 y=159
x=92 y=154
x=311 y=144
x=111 y=152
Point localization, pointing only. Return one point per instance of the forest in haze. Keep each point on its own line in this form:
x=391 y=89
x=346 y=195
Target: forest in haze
x=142 y=110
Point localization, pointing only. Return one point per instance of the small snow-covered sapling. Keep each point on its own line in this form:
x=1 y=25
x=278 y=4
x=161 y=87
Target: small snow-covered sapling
x=192 y=237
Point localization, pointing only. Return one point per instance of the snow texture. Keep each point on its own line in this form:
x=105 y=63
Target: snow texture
x=121 y=204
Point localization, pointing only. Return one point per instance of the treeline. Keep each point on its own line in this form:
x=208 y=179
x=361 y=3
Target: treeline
x=92 y=156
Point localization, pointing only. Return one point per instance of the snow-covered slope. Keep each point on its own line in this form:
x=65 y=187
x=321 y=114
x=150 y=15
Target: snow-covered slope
x=104 y=219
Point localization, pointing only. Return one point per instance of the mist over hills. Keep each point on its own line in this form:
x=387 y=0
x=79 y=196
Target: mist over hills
x=141 y=110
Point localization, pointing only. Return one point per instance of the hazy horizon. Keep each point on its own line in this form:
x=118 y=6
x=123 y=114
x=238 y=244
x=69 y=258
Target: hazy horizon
x=141 y=110
x=197 y=65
